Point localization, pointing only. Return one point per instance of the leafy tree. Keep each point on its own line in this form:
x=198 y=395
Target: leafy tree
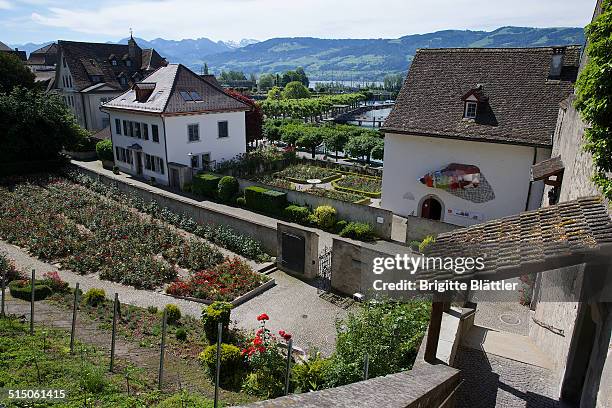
x=393 y=82
x=292 y=76
x=335 y=139
x=266 y=82
x=14 y=73
x=205 y=69
x=292 y=132
x=378 y=151
x=35 y=126
x=310 y=139
x=302 y=76
x=275 y=93
x=295 y=90
x=362 y=145
x=594 y=97
x=232 y=76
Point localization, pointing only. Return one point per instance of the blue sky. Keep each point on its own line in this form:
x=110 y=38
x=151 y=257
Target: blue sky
x=43 y=20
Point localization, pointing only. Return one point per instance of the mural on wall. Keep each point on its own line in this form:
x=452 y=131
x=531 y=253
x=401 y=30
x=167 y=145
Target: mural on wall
x=461 y=180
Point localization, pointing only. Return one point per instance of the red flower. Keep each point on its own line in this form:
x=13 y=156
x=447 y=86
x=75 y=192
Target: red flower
x=287 y=337
x=263 y=316
x=257 y=341
x=281 y=333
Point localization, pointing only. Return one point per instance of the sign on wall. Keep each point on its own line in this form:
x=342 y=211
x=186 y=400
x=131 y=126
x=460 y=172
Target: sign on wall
x=472 y=215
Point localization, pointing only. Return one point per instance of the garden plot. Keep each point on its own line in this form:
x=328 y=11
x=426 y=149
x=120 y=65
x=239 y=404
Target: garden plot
x=60 y=221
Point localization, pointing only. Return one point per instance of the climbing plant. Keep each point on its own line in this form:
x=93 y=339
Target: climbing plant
x=594 y=97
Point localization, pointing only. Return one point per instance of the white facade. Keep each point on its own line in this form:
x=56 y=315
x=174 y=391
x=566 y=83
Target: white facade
x=506 y=168
x=174 y=146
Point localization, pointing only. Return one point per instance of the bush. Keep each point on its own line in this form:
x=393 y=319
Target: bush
x=241 y=201
x=389 y=332
x=53 y=280
x=92 y=380
x=414 y=245
x=184 y=399
x=426 y=243
x=212 y=315
x=173 y=313
x=232 y=366
x=94 y=297
x=187 y=187
x=181 y=334
x=261 y=199
x=326 y=216
x=205 y=185
x=7 y=269
x=340 y=225
x=297 y=214
x=152 y=309
x=228 y=188
x=310 y=375
x=358 y=230
x=22 y=289
x=104 y=150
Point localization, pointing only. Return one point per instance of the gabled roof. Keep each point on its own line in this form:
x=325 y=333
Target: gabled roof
x=565 y=234
x=87 y=59
x=169 y=82
x=46 y=55
x=4 y=47
x=522 y=104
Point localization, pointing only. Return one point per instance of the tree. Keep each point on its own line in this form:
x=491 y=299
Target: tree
x=205 y=69
x=378 y=151
x=393 y=82
x=302 y=76
x=253 y=117
x=232 y=76
x=292 y=132
x=362 y=145
x=594 y=97
x=266 y=82
x=272 y=130
x=298 y=75
x=335 y=139
x=14 y=73
x=295 y=90
x=35 y=126
x=310 y=139
x=275 y=93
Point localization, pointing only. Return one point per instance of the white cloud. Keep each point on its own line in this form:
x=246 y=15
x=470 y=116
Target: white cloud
x=5 y=5
x=236 y=19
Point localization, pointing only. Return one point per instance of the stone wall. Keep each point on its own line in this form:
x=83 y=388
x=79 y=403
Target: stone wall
x=428 y=386
x=201 y=212
x=380 y=219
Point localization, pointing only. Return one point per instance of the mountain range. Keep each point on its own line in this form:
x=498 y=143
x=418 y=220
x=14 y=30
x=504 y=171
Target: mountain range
x=342 y=59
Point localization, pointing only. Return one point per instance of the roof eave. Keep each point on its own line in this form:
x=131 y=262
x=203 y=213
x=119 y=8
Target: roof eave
x=459 y=137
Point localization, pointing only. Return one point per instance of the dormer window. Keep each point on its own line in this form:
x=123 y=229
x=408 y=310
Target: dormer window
x=114 y=62
x=123 y=80
x=128 y=63
x=470 y=110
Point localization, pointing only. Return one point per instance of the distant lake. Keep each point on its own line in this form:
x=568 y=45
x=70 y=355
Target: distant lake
x=380 y=114
x=354 y=83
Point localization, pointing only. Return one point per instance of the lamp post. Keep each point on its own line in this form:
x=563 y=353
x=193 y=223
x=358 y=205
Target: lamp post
x=190 y=155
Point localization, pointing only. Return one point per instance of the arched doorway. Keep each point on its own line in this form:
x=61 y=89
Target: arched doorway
x=431 y=209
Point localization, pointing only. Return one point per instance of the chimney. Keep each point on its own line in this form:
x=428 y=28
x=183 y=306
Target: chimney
x=556 y=63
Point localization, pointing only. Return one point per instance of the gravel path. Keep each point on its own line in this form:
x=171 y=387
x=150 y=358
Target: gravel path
x=292 y=304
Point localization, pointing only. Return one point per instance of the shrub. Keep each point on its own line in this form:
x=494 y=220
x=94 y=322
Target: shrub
x=414 y=245
x=241 y=201
x=22 y=289
x=340 y=225
x=173 y=313
x=425 y=243
x=297 y=213
x=53 y=280
x=181 y=334
x=94 y=297
x=232 y=366
x=152 y=309
x=310 y=375
x=228 y=188
x=7 y=269
x=358 y=230
x=104 y=150
x=184 y=399
x=205 y=185
x=92 y=380
x=187 y=187
x=212 y=315
x=389 y=332
x=261 y=199
x=326 y=216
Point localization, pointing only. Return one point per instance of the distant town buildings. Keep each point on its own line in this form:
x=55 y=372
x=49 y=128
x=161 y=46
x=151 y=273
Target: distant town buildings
x=89 y=74
x=20 y=54
x=466 y=128
x=174 y=123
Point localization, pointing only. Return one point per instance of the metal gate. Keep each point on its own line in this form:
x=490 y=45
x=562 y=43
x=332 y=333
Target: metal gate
x=325 y=270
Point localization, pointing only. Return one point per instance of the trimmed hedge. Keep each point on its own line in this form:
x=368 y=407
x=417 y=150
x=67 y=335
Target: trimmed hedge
x=297 y=214
x=232 y=364
x=261 y=199
x=228 y=188
x=358 y=230
x=20 y=291
x=173 y=313
x=205 y=185
x=104 y=150
x=212 y=315
x=326 y=216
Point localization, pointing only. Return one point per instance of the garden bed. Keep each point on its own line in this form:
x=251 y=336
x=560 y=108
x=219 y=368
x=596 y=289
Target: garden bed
x=338 y=195
x=300 y=173
x=357 y=184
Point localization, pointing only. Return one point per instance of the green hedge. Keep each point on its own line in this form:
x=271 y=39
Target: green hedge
x=297 y=214
x=205 y=185
x=355 y=191
x=25 y=292
x=212 y=315
x=261 y=199
x=232 y=365
x=104 y=150
x=358 y=230
x=228 y=188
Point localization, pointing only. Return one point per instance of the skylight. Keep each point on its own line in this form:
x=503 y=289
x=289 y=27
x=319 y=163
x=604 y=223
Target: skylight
x=186 y=96
x=195 y=96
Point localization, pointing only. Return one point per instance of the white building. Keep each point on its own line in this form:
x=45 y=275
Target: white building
x=174 y=123
x=90 y=74
x=466 y=128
